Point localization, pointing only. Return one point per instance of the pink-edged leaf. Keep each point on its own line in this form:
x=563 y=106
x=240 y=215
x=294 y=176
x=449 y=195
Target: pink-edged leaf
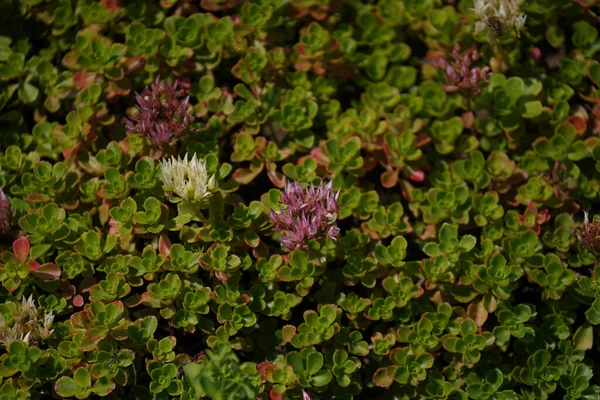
x=265 y=368
x=275 y=395
x=319 y=156
x=21 y=249
x=389 y=179
x=82 y=80
x=11 y=284
x=383 y=378
x=277 y=178
x=245 y=299
x=48 y=272
x=221 y=276
x=33 y=266
x=244 y=176
x=78 y=300
x=37 y=198
x=287 y=333
x=70 y=205
x=417 y=175
x=477 y=312
x=164 y=245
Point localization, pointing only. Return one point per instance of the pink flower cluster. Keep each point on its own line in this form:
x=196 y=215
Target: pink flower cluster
x=162 y=112
x=4 y=213
x=459 y=74
x=306 y=213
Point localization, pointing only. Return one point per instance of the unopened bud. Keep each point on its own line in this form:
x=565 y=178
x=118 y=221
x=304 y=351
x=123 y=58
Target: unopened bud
x=4 y=213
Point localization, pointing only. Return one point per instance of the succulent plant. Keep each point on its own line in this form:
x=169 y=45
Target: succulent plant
x=303 y=199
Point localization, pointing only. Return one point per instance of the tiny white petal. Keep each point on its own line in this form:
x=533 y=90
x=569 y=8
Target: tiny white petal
x=187 y=179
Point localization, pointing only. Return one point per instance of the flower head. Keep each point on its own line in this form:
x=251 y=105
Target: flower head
x=306 y=213
x=4 y=213
x=187 y=179
x=162 y=112
x=589 y=235
x=496 y=16
x=27 y=325
x=460 y=74
x=28 y=306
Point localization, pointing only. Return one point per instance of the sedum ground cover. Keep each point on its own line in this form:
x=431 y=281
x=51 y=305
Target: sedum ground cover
x=299 y=199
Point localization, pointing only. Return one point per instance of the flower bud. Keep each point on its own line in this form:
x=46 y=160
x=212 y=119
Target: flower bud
x=4 y=213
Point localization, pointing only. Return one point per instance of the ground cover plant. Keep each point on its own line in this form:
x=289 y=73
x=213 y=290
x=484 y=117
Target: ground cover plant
x=299 y=199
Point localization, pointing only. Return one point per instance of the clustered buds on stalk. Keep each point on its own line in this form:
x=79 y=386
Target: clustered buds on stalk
x=589 y=235
x=189 y=180
x=306 y=213
x=459 y=74
x=496 y=16
x=162 y=112
x=28 y=326
x=4 y=213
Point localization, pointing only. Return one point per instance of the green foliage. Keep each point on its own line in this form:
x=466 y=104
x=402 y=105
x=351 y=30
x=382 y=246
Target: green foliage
x=466 y=262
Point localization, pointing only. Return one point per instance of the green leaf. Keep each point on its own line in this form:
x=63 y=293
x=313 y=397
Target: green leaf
x=531 y=109
x=583 y=339
x=28 y=93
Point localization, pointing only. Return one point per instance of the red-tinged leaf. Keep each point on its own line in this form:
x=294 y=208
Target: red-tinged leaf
x=277 y=178
x=265 y=368
x=334 y=45
x=164 y=245
x=221 y=276
x=287 y=333
x=578 y=123
x=123 y=146
x=78 y=300
x=246 y=298
x=21 y=249
x=33 y=266
x=389 y=179
x=135 y=63
x=417 y=176
x=11 y=284
x=244 y=176
x=37 y=198
x=429 y=285
x=48 y=272
x=274 y=395
x=70 y=205
x=423 y=139
x=320 y=157
x=477 y=312
x=71 y=152
x=133 y=300
x=82 y=80
x=318 y=68
x=383 y=378
x=419 y=292
x=150 y=301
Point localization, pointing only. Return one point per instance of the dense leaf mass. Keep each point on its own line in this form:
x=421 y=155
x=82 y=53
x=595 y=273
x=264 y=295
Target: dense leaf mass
x=299 y=199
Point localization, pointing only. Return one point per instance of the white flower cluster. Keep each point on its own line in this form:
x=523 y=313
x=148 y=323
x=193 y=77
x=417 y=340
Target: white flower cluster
x=187 y=179
x=495 y=16
x=28 y=327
